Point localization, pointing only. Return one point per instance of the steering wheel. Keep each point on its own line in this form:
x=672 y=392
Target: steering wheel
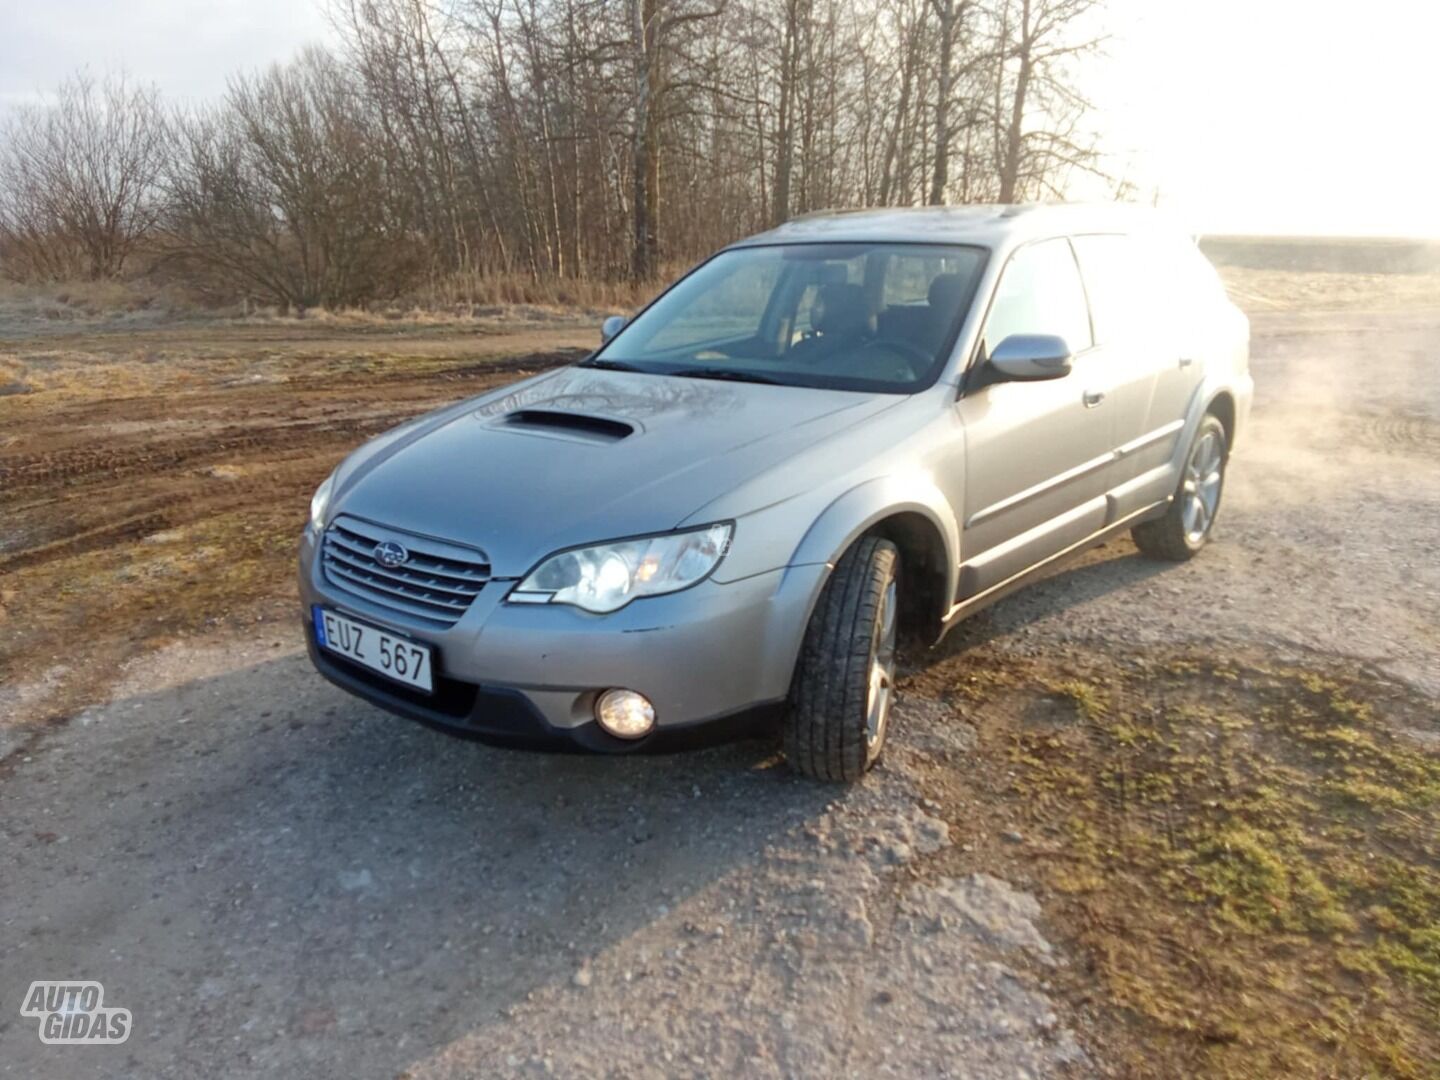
x=916 y=358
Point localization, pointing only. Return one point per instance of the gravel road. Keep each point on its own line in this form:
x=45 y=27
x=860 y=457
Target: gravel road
x=1328 y=541
x=279 y=880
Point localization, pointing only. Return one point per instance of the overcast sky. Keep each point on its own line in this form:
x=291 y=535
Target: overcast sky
x=186 y=47
x=1247 y=115
x=1280 y=115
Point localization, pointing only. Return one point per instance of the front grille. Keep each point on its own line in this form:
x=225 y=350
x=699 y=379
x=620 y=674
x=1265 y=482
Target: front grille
x=437 y=583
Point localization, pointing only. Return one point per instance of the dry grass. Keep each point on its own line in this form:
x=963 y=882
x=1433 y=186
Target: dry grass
x=499 y=290
x=66 y=302
x=459 y=300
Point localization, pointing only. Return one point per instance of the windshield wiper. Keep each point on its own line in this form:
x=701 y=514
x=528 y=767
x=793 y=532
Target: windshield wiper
x=609 y=365
x=726 y=373
x=687 y=373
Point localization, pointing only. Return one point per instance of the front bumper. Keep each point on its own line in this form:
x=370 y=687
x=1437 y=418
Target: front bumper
x=715 y=660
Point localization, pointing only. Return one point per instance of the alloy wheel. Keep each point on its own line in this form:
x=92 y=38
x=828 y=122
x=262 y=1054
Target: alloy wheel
x=882 y=670
x=1200 y=492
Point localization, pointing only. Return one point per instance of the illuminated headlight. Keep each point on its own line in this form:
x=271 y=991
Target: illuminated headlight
x=320 y=503
x=606 y=577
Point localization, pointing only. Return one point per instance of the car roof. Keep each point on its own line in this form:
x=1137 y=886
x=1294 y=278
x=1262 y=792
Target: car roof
x=991 y=226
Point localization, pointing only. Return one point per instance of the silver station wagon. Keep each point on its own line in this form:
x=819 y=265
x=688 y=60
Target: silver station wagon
x=855 y=429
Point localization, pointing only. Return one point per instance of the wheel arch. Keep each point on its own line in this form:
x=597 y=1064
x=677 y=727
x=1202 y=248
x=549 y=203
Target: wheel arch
x=1222 y=406
x=1210 y=399
x=927 y=583
x=912 y=514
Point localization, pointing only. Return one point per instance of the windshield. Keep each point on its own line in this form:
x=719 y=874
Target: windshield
x=876 y=317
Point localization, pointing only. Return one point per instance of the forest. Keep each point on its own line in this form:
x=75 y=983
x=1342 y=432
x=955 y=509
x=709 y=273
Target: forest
x=443 y=144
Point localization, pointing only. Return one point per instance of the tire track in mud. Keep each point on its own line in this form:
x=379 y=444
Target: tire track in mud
x=66 y=501
x=158 y=503
x=23 y=472
x=130 y=516
x=282 y=424
x=1399 y=433
x=126 y=531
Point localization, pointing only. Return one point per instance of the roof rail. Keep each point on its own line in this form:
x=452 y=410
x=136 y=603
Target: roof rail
x=830 y=211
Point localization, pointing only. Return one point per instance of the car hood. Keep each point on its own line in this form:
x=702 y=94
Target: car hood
x=582 y=454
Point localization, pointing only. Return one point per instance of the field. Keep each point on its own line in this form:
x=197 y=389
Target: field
x=1139 y=820
x=155 y=477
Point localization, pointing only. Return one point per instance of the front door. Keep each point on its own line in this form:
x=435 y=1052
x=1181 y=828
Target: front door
x=1035 y=453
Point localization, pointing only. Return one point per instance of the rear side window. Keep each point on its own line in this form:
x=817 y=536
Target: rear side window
x=1192 y=270
x=1145 y=284
x=1040 y=293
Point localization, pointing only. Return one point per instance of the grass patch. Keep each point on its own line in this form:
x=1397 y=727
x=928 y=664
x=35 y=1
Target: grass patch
x=1248 y=859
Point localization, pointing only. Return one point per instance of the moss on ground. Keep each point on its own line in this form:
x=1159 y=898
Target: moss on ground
x=1248 y=857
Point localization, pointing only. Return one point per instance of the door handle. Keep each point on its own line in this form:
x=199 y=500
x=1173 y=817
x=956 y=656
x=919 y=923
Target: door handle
x=1186 y=361
x=1093 y=398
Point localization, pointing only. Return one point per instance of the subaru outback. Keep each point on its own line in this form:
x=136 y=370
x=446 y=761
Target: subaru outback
x=855 y=429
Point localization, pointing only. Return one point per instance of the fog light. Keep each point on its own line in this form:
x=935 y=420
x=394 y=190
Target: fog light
x=625 y=713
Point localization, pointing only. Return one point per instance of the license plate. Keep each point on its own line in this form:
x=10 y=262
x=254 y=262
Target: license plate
x=395 y=657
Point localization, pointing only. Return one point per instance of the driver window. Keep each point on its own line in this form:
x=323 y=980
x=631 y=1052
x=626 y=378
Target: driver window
x=1040 y=293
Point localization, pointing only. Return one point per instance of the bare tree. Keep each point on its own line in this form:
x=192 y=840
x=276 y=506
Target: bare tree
x=950 y=20
x=285 y=188
x=448 y=142
x=1037 y=103
x=77 y=178
x=654 y=26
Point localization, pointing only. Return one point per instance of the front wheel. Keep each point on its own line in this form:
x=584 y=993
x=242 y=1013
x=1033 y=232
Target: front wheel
x=845 y=678
x=1187 y=523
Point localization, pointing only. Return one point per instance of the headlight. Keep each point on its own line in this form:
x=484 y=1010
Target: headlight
x=320 y=503
x=606 y=577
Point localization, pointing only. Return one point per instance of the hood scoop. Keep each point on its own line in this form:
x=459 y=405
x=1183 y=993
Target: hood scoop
x=556 y=423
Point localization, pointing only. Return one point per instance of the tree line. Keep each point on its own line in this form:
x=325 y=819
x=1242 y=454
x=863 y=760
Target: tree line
x=455 y=139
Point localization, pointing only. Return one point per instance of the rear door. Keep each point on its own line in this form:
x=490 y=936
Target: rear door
x=1034 y=452
x=1144 y=314
x=1191 y=300
x=1130 y=342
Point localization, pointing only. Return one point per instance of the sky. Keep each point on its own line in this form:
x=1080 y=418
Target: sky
x=1278 y=116
x=1245 y=116
x=186 y=47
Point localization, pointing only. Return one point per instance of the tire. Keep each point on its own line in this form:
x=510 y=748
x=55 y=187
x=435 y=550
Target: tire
x=844 y=681
x=1186 y=526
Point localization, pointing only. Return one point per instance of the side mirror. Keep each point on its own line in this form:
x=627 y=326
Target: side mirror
x=611 y=326
x=1031 y=357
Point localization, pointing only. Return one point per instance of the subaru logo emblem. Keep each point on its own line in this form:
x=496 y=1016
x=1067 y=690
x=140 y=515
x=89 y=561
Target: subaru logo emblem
x=389 y=553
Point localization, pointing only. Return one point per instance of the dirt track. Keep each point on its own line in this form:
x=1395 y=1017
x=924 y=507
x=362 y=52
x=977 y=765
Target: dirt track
x=151 y=481
x=276 y=878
